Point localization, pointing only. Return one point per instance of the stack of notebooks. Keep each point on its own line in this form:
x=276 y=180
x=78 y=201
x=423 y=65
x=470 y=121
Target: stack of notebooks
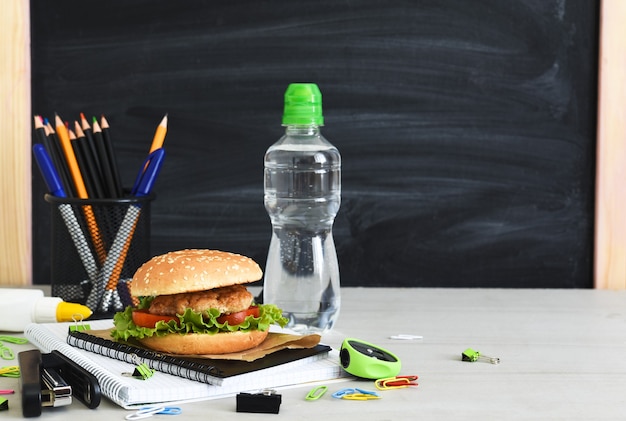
x=178 y=379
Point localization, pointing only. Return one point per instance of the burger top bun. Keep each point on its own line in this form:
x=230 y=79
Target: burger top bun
x=193 y=270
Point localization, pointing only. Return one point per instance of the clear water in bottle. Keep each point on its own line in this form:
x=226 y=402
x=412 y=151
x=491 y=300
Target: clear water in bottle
x=302 y=198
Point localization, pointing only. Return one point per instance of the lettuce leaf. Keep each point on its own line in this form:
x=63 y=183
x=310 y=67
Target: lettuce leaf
x=193 y=322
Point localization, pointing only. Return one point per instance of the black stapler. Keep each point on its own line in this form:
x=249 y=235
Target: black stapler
x=52 y=380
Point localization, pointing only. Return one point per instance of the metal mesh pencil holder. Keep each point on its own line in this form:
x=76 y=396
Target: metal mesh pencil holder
x=97 y=245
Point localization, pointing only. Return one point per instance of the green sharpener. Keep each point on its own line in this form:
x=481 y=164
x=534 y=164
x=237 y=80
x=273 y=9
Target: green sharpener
x=368 y=361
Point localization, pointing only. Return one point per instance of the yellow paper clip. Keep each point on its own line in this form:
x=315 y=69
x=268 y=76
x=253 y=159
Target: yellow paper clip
x=360 y=397
x=396 y=382
x=10 y=371
x=316 y=393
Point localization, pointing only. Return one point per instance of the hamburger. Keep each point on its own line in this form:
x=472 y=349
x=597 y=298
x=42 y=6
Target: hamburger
x=194 y=302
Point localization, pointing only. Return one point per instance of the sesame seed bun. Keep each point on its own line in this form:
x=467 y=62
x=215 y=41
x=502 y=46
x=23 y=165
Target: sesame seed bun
x=193 y=270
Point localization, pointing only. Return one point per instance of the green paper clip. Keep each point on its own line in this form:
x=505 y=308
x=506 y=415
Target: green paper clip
x=4 y=404
x=472 y=355
x=316 y=393
x=10 y=371
x=14 y=340
x=6 y=353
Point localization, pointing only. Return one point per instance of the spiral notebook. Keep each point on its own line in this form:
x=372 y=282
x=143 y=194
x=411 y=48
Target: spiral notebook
x=162 y=387
x=219 y=372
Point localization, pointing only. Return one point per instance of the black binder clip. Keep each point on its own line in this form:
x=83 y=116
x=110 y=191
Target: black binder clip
x=52 y=380
x=265 y=402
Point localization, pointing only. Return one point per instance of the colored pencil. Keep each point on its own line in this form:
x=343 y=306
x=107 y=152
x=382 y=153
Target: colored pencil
x=109 y=178
x=108 y=143
x=64 y=169
x=94 y=231
x=81 y=160
x=84 y=124
x=70 y=157
x=159 y=135
x=89 y=161
x=53 y=151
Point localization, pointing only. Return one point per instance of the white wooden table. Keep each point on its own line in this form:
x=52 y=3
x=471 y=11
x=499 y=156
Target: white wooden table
x=563 y=356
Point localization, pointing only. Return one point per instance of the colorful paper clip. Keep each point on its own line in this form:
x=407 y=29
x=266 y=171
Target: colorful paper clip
x=360 y=397
x=355 y=394
x=10 y=371
x=472 y=355
x=316 y=393
x=396 y=382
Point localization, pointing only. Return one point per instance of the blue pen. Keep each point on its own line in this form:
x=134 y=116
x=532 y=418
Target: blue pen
x=146 y=178
x=107 y=288
x=53 y=182
x=49 y=172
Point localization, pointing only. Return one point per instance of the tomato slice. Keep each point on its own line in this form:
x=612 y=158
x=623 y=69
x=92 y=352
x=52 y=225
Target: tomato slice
x=239 y=317
x=143 y=318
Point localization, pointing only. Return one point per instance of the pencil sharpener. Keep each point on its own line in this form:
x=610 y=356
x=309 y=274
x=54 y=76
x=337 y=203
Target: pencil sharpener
x=368 y=361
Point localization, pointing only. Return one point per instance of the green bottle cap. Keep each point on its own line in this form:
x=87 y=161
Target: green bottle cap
x=303 y=105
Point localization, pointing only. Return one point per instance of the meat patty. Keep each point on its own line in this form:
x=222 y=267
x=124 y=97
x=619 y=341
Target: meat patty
x=230 y=299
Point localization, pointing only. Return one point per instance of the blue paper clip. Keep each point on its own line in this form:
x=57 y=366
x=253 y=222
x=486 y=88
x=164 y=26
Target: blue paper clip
x=342 y=393
x=149 y=411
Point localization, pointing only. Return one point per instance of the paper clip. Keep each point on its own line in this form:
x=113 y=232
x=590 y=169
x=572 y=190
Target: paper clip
x=360 y=397
x=154 y=410
x=472 y=356
x=342 y=393
x=396 y=382
x=6 y=353
x=14 y=340
x=10 y=371
x=316 y=393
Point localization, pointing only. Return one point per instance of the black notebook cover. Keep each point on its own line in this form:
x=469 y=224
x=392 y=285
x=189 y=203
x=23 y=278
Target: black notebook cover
x=212 y=371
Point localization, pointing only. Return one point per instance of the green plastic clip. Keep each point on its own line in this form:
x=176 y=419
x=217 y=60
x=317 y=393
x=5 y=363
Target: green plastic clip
x=316 y=393
x=472 y=355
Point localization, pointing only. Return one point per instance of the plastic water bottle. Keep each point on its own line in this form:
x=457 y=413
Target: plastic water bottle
x=302 y=197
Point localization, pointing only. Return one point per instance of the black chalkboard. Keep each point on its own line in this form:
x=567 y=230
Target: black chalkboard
x=467 y=128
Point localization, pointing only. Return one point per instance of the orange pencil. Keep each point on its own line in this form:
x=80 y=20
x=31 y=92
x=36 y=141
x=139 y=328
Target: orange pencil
x=66 y=144
x=70 y=157
x=159 y=135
